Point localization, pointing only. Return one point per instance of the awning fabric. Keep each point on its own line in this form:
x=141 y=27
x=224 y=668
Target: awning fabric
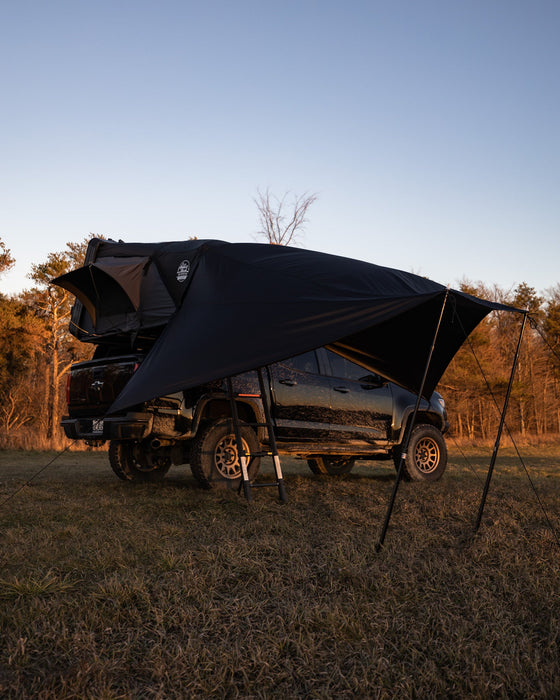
x=240 y=306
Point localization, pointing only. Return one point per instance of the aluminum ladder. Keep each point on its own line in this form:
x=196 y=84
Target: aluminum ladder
x=245 y=457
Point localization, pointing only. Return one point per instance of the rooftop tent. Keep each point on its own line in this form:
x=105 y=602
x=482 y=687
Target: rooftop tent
x=246 y=305
x=126 y=287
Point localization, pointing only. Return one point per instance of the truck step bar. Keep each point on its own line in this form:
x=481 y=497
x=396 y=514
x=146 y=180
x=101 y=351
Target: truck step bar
x=272 y=451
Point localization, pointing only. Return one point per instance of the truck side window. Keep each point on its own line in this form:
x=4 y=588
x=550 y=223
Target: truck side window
x=306 y=362
x=347 y=370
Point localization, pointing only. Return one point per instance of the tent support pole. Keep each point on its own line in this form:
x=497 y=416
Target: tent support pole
x=500 y=427
x=410 y=426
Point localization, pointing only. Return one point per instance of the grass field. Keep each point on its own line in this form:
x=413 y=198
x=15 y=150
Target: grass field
x=110 y=590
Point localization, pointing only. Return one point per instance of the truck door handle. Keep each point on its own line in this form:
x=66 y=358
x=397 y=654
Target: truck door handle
x=287 y=382
x=341 y=389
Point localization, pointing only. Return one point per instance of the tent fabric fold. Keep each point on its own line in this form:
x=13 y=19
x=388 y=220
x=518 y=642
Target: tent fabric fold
x=97 y=287
x=240 y=306
x=127 y=272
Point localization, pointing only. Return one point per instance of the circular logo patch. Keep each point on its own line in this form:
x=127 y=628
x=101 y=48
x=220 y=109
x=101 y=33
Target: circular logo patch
x=183 y=271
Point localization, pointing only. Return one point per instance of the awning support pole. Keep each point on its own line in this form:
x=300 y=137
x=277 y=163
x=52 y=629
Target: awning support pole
x=500 y=427
x=404 y=446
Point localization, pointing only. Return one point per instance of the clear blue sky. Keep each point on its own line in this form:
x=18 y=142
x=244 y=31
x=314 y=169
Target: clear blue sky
x=430 y=130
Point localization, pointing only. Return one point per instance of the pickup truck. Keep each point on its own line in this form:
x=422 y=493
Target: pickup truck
x=325 y=409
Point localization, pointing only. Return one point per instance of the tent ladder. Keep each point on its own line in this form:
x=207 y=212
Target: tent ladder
x=245 y=458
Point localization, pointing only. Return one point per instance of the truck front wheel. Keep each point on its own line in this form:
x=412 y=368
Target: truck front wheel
x=426 y=457
x=134 y=461
x=215 y=459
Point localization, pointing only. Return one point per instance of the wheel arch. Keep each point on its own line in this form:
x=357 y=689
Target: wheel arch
x=213 y=408
x=422 y=418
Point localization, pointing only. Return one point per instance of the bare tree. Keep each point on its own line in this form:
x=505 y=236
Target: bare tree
x=282 y=220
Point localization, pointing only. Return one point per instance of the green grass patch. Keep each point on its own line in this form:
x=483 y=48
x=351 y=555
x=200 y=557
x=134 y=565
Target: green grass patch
x=111 y=590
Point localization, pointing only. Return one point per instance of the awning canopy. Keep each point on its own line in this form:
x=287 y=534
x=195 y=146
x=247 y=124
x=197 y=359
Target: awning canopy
x=246 y=305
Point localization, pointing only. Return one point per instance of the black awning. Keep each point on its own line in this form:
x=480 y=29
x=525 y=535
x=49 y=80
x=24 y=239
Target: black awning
x=248 y=305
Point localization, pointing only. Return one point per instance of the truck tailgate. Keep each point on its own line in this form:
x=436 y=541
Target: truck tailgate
x=95 y=384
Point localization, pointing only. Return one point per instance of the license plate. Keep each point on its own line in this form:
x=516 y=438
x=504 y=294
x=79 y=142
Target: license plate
x=97 y=426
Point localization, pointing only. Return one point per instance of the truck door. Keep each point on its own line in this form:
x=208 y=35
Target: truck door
x=361 y=402
x=300 y=398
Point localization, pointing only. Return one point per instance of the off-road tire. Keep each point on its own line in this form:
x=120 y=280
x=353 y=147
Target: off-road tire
x=135 y=461
x=333 y=466
x=214 y=457
x=426 y=457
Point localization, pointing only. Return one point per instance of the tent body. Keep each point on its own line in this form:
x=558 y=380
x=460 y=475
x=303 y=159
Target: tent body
x=226 y=308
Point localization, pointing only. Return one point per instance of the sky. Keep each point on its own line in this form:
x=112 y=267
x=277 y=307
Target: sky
x=429 y=129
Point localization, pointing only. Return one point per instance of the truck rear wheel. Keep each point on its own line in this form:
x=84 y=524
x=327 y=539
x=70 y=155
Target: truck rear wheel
x=215 y=459
x=426 y=457
x=334 y=466
x=134 y=461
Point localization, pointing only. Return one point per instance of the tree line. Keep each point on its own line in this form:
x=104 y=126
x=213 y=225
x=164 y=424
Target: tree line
x=476 y=381
x=37 y=350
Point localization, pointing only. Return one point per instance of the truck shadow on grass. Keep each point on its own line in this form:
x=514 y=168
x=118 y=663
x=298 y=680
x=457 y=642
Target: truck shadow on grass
x=185 y=480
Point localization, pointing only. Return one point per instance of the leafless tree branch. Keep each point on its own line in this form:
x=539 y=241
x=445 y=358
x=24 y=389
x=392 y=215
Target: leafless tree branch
x=282 y=221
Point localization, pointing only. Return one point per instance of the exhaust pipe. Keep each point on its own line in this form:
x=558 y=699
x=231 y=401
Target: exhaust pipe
x=156 y=443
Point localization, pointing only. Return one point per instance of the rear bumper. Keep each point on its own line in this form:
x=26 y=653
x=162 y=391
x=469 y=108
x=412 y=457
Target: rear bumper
x=132 y=426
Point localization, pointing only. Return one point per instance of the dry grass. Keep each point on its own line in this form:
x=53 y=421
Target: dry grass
x=114 y=591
